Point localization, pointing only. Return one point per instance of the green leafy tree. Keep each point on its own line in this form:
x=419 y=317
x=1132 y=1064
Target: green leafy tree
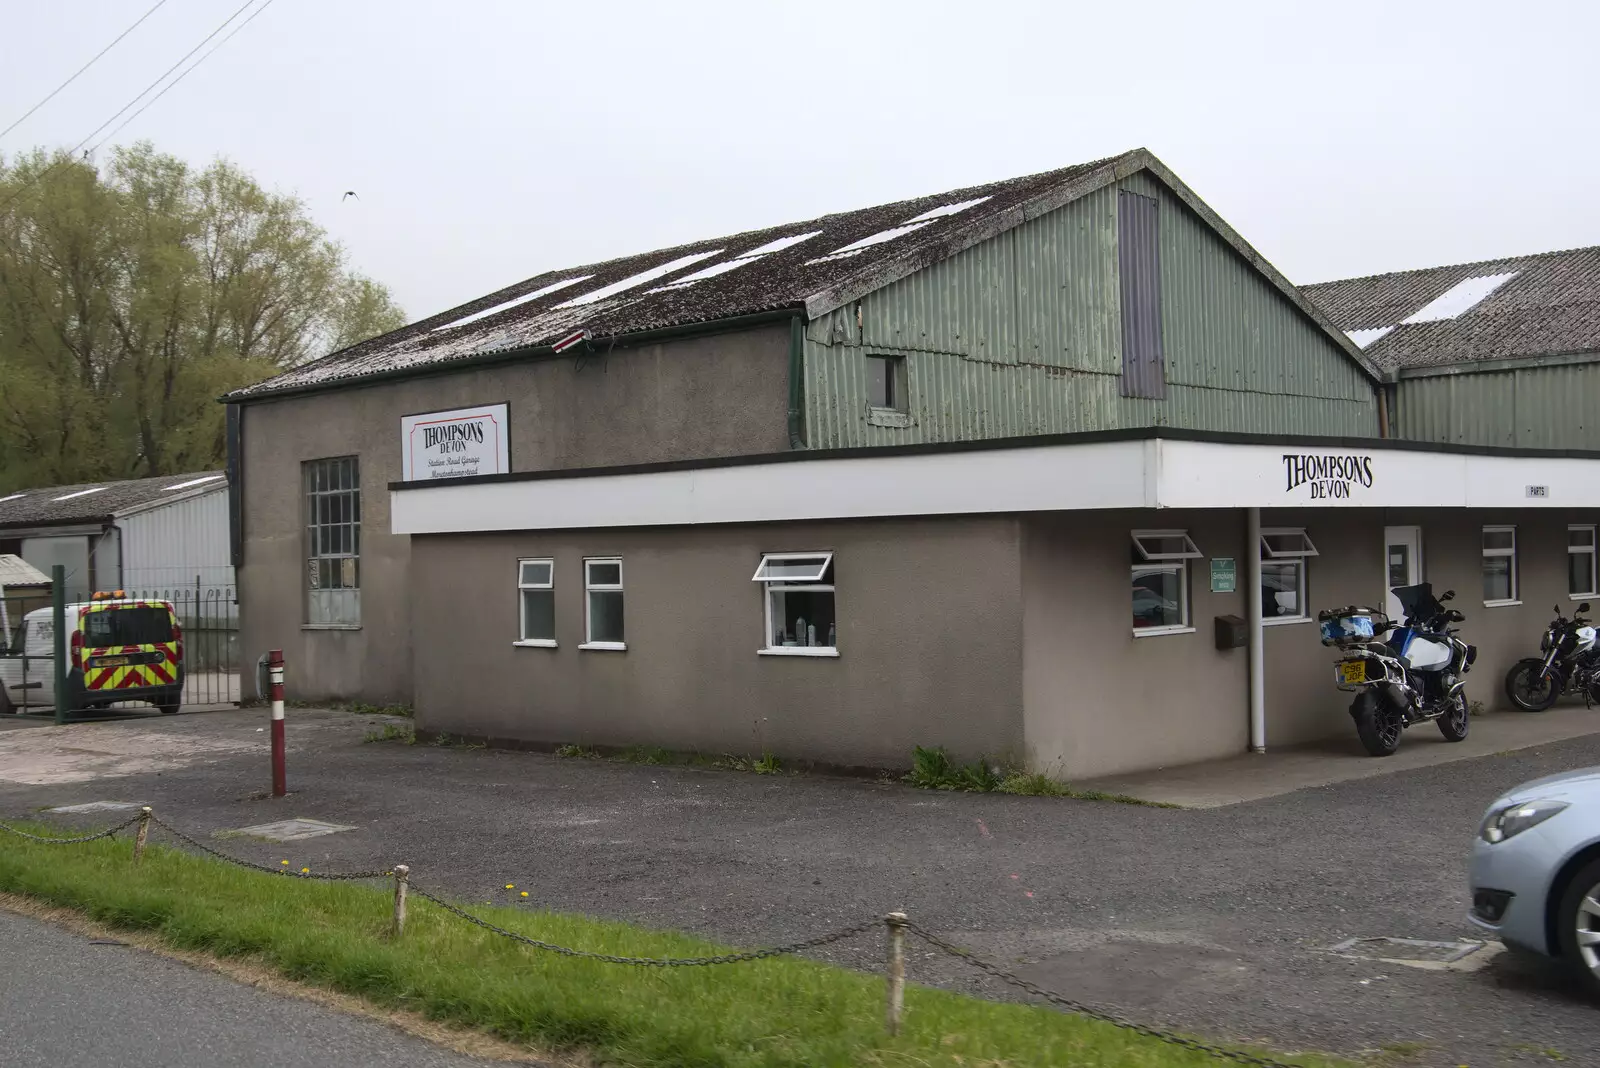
x=134 y=293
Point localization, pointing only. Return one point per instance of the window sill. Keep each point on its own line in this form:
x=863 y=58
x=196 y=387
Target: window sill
x=888 y=417
x=604 y=647
x=1155 y=632
x=1282 y=621
x=535 y=643
x=1582 y=596
x=1501 y=604
x=797 y=650
x=330 y=626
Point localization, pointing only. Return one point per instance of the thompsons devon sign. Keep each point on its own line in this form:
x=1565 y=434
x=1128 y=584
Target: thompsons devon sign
x=455 y=444
x=1325 y=476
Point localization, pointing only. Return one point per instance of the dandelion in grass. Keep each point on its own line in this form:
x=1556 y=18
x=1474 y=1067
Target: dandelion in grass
x=511 y=886
x=524 y=893
x=283 y=862
x=305 y=871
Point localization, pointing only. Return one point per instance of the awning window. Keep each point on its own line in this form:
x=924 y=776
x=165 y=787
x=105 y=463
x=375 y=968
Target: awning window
x=1286 y=543
x=793 y=567
x=1165 y=545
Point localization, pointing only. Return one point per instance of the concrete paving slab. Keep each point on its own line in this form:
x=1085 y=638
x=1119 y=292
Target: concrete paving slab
x=294 y=830
x=1256 y=776
x=98 y=806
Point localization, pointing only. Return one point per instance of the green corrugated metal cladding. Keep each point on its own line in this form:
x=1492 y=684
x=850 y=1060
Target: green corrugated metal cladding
x=1548 y=407
x=1022 y=335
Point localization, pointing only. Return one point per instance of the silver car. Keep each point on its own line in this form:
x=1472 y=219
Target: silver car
x=1536 y=871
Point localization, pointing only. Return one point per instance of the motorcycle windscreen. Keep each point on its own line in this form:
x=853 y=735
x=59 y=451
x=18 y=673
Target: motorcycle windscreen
x=1417 y=602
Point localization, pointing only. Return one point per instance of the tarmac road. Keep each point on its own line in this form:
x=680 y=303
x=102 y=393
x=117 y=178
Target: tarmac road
x=1215 y=921
x=68 y=1003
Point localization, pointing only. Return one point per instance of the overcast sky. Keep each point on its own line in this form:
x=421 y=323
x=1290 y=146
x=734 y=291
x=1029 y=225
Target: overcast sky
x=490 y=141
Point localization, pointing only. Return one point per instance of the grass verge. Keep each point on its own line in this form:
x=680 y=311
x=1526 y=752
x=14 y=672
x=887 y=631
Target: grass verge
x=777 y=1012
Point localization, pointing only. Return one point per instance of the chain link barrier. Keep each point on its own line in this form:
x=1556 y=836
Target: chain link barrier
x=993 y=970
x=1193 y=1045
x=107 y=833
x=654 y=962
x=252 y=865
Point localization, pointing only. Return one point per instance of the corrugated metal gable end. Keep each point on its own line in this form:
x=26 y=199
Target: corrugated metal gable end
x=1023 y=335
x=1144 y=372
x=1535 y=407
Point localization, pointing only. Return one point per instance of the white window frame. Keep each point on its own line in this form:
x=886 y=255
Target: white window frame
x=522 y=615
x=1488 y=553
x=1190 y=551
x=1299 y=558
x=1181 y=561
x=590 y=586
x=1594 y=561
x=771 y=586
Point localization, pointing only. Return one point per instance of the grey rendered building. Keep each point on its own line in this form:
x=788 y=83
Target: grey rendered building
x=874 y=480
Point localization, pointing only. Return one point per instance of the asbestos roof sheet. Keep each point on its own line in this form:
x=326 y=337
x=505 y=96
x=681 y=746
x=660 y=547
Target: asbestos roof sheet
x=800 y=265
x=1517 y=308
x=96 y=502
x=15 y=571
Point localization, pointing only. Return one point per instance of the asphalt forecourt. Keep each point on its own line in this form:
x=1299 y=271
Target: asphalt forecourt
x=564 y=985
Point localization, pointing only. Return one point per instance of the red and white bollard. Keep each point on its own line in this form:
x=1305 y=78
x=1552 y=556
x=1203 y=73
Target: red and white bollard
x=275 y=674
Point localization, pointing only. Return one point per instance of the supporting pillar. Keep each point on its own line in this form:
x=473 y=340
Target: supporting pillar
x=1258 y=653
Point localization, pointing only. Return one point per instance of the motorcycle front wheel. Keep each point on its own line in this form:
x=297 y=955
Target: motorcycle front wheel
x=1378 y=723
x=1527 y=691
x=1456 y=720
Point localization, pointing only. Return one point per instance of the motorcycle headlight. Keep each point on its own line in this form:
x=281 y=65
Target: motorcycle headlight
x=1508 y=821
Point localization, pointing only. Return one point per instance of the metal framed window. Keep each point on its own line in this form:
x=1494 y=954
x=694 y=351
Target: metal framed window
x=886 y=383
x=800 y=616
x=602 y=607
x=1581 y=578
x=1160 y=581
x=1285 y=554
x=1499 y=566
x=333 y=541
x=536 y=608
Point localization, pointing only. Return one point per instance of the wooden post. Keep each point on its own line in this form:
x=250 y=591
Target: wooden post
x=142 y=835
x=896 y=922
x=401 y=875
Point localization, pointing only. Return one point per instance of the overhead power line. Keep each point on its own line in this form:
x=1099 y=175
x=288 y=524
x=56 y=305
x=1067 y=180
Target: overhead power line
x=166 y=88
x=141 y=95
x=80 y=70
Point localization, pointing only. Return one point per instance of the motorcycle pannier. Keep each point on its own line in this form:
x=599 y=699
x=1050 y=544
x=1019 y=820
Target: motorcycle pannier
x=1347 y=626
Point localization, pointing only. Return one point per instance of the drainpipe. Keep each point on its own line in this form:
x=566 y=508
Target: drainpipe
x=1258 y=655
x=797 y=385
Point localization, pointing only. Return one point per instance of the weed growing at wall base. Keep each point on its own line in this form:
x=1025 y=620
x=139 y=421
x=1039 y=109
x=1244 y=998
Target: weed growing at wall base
x=932 y=769
x=773 y=1013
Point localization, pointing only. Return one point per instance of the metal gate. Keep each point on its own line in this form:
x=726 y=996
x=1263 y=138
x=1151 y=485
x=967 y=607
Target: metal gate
x=208 y=612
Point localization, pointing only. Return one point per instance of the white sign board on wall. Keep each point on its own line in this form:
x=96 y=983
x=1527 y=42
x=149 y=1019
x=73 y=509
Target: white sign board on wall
x=455 y=444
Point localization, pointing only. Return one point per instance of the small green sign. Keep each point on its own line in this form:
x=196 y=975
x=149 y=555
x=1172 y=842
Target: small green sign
x=1224 y=577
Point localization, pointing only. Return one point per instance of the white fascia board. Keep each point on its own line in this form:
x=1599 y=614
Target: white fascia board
x=1154 y=473
x=1047 y=478
x=1197 y=474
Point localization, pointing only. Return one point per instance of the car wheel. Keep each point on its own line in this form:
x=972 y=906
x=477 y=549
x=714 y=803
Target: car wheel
x=1579 y=925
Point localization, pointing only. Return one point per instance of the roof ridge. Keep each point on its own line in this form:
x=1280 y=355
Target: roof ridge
x=1452 y=266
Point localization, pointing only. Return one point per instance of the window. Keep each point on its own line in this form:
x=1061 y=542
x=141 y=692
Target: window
x=1161 y=581
x=1284 y=552
x=1580 y=561
x=537 y=594
x=1139 y=279
x=800 y=619
x=1499 y=565
x=126 y=626
x=886 y=383
x=602 y=614
x=333 y=541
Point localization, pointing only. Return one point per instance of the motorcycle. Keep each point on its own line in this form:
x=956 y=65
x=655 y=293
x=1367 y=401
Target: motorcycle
x=1412 y=676
x=1569 y=661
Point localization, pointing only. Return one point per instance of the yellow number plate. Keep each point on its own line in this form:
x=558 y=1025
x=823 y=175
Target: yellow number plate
x=111 y=661
x=1353 y=671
